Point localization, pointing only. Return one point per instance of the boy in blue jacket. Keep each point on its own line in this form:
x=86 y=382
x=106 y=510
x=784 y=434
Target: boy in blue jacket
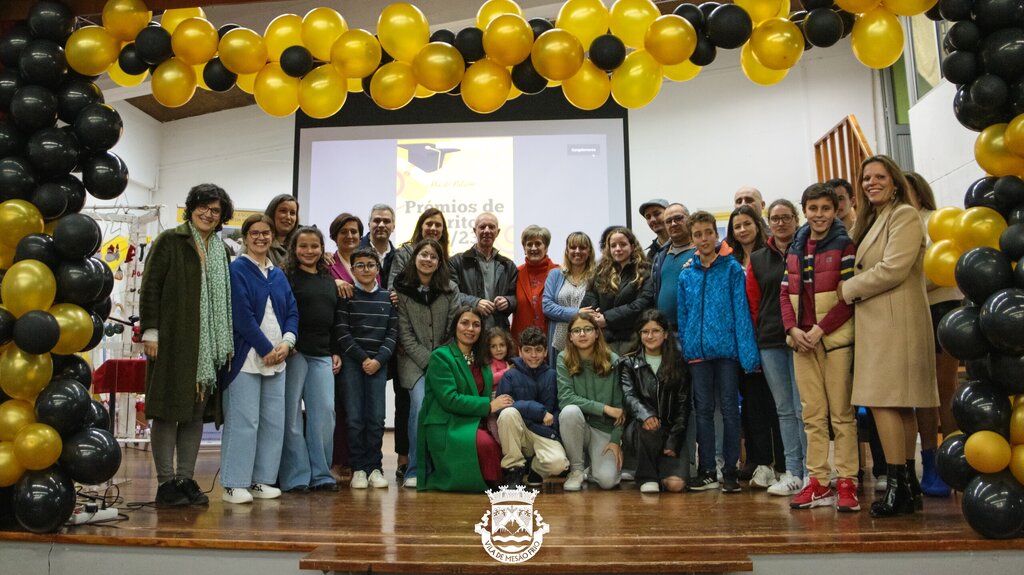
x=530 y=426
x=717 y=340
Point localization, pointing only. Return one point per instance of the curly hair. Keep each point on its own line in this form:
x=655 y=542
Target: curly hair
x=607 y=275
x=291 y=262
x=204 y=194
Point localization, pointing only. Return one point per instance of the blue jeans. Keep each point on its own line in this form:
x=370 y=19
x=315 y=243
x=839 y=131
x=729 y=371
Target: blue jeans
x=306 y=459
x=415 y=403
x=717 y=378
x=777 y=363
x=364 y=409
x=253 y=430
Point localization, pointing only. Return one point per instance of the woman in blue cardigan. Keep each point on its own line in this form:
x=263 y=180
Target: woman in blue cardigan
x=565 y=288
x=266 y=320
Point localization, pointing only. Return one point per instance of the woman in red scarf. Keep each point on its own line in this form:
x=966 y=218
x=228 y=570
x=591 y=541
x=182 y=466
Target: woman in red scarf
x=530 y=285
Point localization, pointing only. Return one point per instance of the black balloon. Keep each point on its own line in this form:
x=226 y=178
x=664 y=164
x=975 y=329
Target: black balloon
x=951 y=462
x=97 y=417
x=955 y=10
x=37 y=247
x=63 y=405
x=810 y=5
x=222 y=30
x=36 y=332
x=1011 y=242
x=960 y=67
x=1005 y=370
x=445 y=35
x=43 y=62
x=1018 y=274
x=105 y=175
x=1016 y=106
x=50 y=199
x=44 y=500
x=73 y=189
x=130 y=61
x=993 y=505
x=823 y=27
x=97 y=333
x=7 y=320
x=98 y=127
x=974 y=116
x=17 y=178
x=1002 y=53
x=153 y=45
x=52 y=20
x=979 y=406
x=78 y=282
x=526 y=78
x=981 y=272
x=933 y=13
x=33 y=108
x=977 y=369
x=52 y=151
x=102 y=308
x=538 y=26
x=1002 y=320
x=993 y=15
x=296 y=61
x=607 y=52
x=848 y=21
x=77 y=236
x=728 y=26
x=692 y=13
x=706 y=8
x=12 y=42
x=470 y=43
x=91 y=456
x=982 y=192
x=10 y=82
x=990 y=91
x=705 y=52
x=73 y=367
x=11 y=140
x=960 y=334
x=218 y=77
x=964 y=36
x=108 y=281
x=73 y=96
x=1009 y=192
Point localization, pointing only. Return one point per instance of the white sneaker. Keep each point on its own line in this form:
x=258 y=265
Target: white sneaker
x=719 y=465
x=881 y=483
x=763 y=478
x=410 y=483
x=264 y=491
x=359 y=480
x=787 y=485
x=236 y=495
x=627 y=475
x=377 y=479
x=574 y=482
x=650 y=487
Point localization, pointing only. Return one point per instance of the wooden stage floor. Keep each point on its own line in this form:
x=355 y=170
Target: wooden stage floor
x=399 y=530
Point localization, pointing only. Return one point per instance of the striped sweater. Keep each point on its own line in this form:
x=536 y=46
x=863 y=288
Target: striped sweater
x=366 y=325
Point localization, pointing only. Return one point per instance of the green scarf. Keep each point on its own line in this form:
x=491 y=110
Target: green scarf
x=215 y=336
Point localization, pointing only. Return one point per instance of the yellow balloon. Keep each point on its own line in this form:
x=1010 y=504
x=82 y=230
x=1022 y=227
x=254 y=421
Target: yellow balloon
x=784 y=9
x=174 y=83
x=28 y=285
x=91 y=50
x=75 y=328
x=485 y=86
x=356 y=54
x=355 y=85
x=24 y=375
x=942 y=222
x=755 y=71
x=1016 y=425
x=585 y=19
x=557 y=55
x=124 y=19
x=438 y=67
x=513 y=93
x=761 y=10
x=987 y=451
x=992 y=154
x=858 y=6
x=681 y=72
x=637 y=81
x=940 y=262
x=171 y=18
x=6 y=257
x=322 y=92
x=37 y=446
x=200 y=81
x=243 y=51
x=877 y=38
x=283 y=32
x=402 y=30
x=10 y=470
x=629 y=20
x=422 y=92
x=1017 y=462
x=321 y=28
x=508 y=39
x=908 y=7
x=246 y=83
x=276 y=93
x=978 y=227
x=195 y=41
x=671 y=40
x=14 y=415
x=589 y=88
x=491 y=9
x=18 y=219
x=121 y=78
x=777 y=44
x=393 y=86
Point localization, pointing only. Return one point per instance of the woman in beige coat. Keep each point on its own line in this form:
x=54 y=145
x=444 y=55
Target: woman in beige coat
x=894 y=361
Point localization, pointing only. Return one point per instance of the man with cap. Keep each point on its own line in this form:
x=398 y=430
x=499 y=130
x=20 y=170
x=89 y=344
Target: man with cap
x=651 y=211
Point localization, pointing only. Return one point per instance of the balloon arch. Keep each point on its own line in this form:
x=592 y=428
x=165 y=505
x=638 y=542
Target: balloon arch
x=53 y=122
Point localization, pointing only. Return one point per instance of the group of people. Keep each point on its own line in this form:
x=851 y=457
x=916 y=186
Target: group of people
x=660 y=366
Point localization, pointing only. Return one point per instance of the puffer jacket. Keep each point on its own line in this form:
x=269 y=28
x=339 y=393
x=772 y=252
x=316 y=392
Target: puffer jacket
x=534 y=393
x=646 y=395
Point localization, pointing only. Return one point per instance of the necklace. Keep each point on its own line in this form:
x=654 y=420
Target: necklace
x=468 y=357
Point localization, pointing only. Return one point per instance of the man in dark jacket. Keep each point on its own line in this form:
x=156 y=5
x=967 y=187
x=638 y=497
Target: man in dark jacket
x=486 y=279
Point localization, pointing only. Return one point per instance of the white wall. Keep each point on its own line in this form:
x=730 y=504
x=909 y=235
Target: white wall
x=943 y=149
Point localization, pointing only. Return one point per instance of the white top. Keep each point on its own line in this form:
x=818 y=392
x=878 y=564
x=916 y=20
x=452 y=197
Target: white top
x=270 y=328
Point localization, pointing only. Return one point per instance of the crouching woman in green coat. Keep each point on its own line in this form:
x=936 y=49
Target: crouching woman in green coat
x=455 y=451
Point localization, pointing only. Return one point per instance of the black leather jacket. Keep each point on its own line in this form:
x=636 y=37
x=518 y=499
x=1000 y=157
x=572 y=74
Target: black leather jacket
x=645 y=395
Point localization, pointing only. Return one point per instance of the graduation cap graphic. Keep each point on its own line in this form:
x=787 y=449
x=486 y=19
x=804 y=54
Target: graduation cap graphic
x=427 y=157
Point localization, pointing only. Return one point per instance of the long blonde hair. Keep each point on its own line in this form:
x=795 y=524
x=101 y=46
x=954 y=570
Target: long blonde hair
x=607 y=276
x=602 y=358
x=866 y=211
x=574 y=240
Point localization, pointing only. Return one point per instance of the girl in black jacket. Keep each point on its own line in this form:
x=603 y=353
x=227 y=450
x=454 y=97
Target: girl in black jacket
x=616 y=293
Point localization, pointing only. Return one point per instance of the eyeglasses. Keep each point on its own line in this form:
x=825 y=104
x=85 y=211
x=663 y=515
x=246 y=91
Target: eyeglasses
x=675 y=219
x=651 y=332
x=585 y=330
x=427 y=256
x=780 y=219
x=364 y=266
x=260 y=234
x=203 y=209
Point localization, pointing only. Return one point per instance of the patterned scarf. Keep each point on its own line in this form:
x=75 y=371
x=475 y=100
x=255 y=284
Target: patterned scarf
x=215 y=336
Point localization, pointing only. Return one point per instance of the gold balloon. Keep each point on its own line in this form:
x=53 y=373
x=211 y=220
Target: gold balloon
x=37 y=446
x=18 y=219
x=508 y=39
x=195 y=41
x=356 y=54
x=355 y=85
x=1015 y=135
x=122 y=78
x=283 y=32
x=246 y=83
x=761 y=10
x=10 y=470
x=777 y=44
x=200 y=81
x=858 y=6
x=1017 y=463
x=321 y=28
x=584 y=19
x=124 y=19
x=908 y=7
x=671 y=40
x=942 y=222
x=1016 y=425
x=940 y=262
x=485 y=86
x=987 y=451
x=322 y=92
x=24 y=375
x=91 y=50
x=173 y=83
x=6 y=257
x=422 y=92
x=589 y=88
x=681 y=72
x=491 y=9
x=171 y=18
x=75 y=327
x=276 y=93
x=992 y=154
x=438 y=67
x=755 y=71
x=15 y=414
x=513 y=93
x=637 y=81
x=393 y=86
x=877 y=38
x=402 y=30
x=784 y=9
x=243 y=51
x=28 y=285
x=629 y=20
x=978 y=227
x=557 y=55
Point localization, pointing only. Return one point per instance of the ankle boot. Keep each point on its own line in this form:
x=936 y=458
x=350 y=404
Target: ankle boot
x=897 y=499
x=931 y=484
x=914 y=485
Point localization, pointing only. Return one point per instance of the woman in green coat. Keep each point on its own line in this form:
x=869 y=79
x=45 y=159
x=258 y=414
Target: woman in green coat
x=456 y=453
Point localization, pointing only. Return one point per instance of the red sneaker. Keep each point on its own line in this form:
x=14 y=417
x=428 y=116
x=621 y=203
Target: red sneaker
x=847 y=500
x=813 y=494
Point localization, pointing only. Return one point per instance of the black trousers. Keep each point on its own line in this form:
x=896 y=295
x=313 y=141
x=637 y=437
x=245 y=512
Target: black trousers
x=760 y=423
x=401 y=418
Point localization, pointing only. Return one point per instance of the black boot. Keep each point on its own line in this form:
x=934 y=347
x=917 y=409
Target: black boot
x=897 y=499
x=915 y=486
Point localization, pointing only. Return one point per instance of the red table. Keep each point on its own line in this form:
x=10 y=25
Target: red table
x=119 y=376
